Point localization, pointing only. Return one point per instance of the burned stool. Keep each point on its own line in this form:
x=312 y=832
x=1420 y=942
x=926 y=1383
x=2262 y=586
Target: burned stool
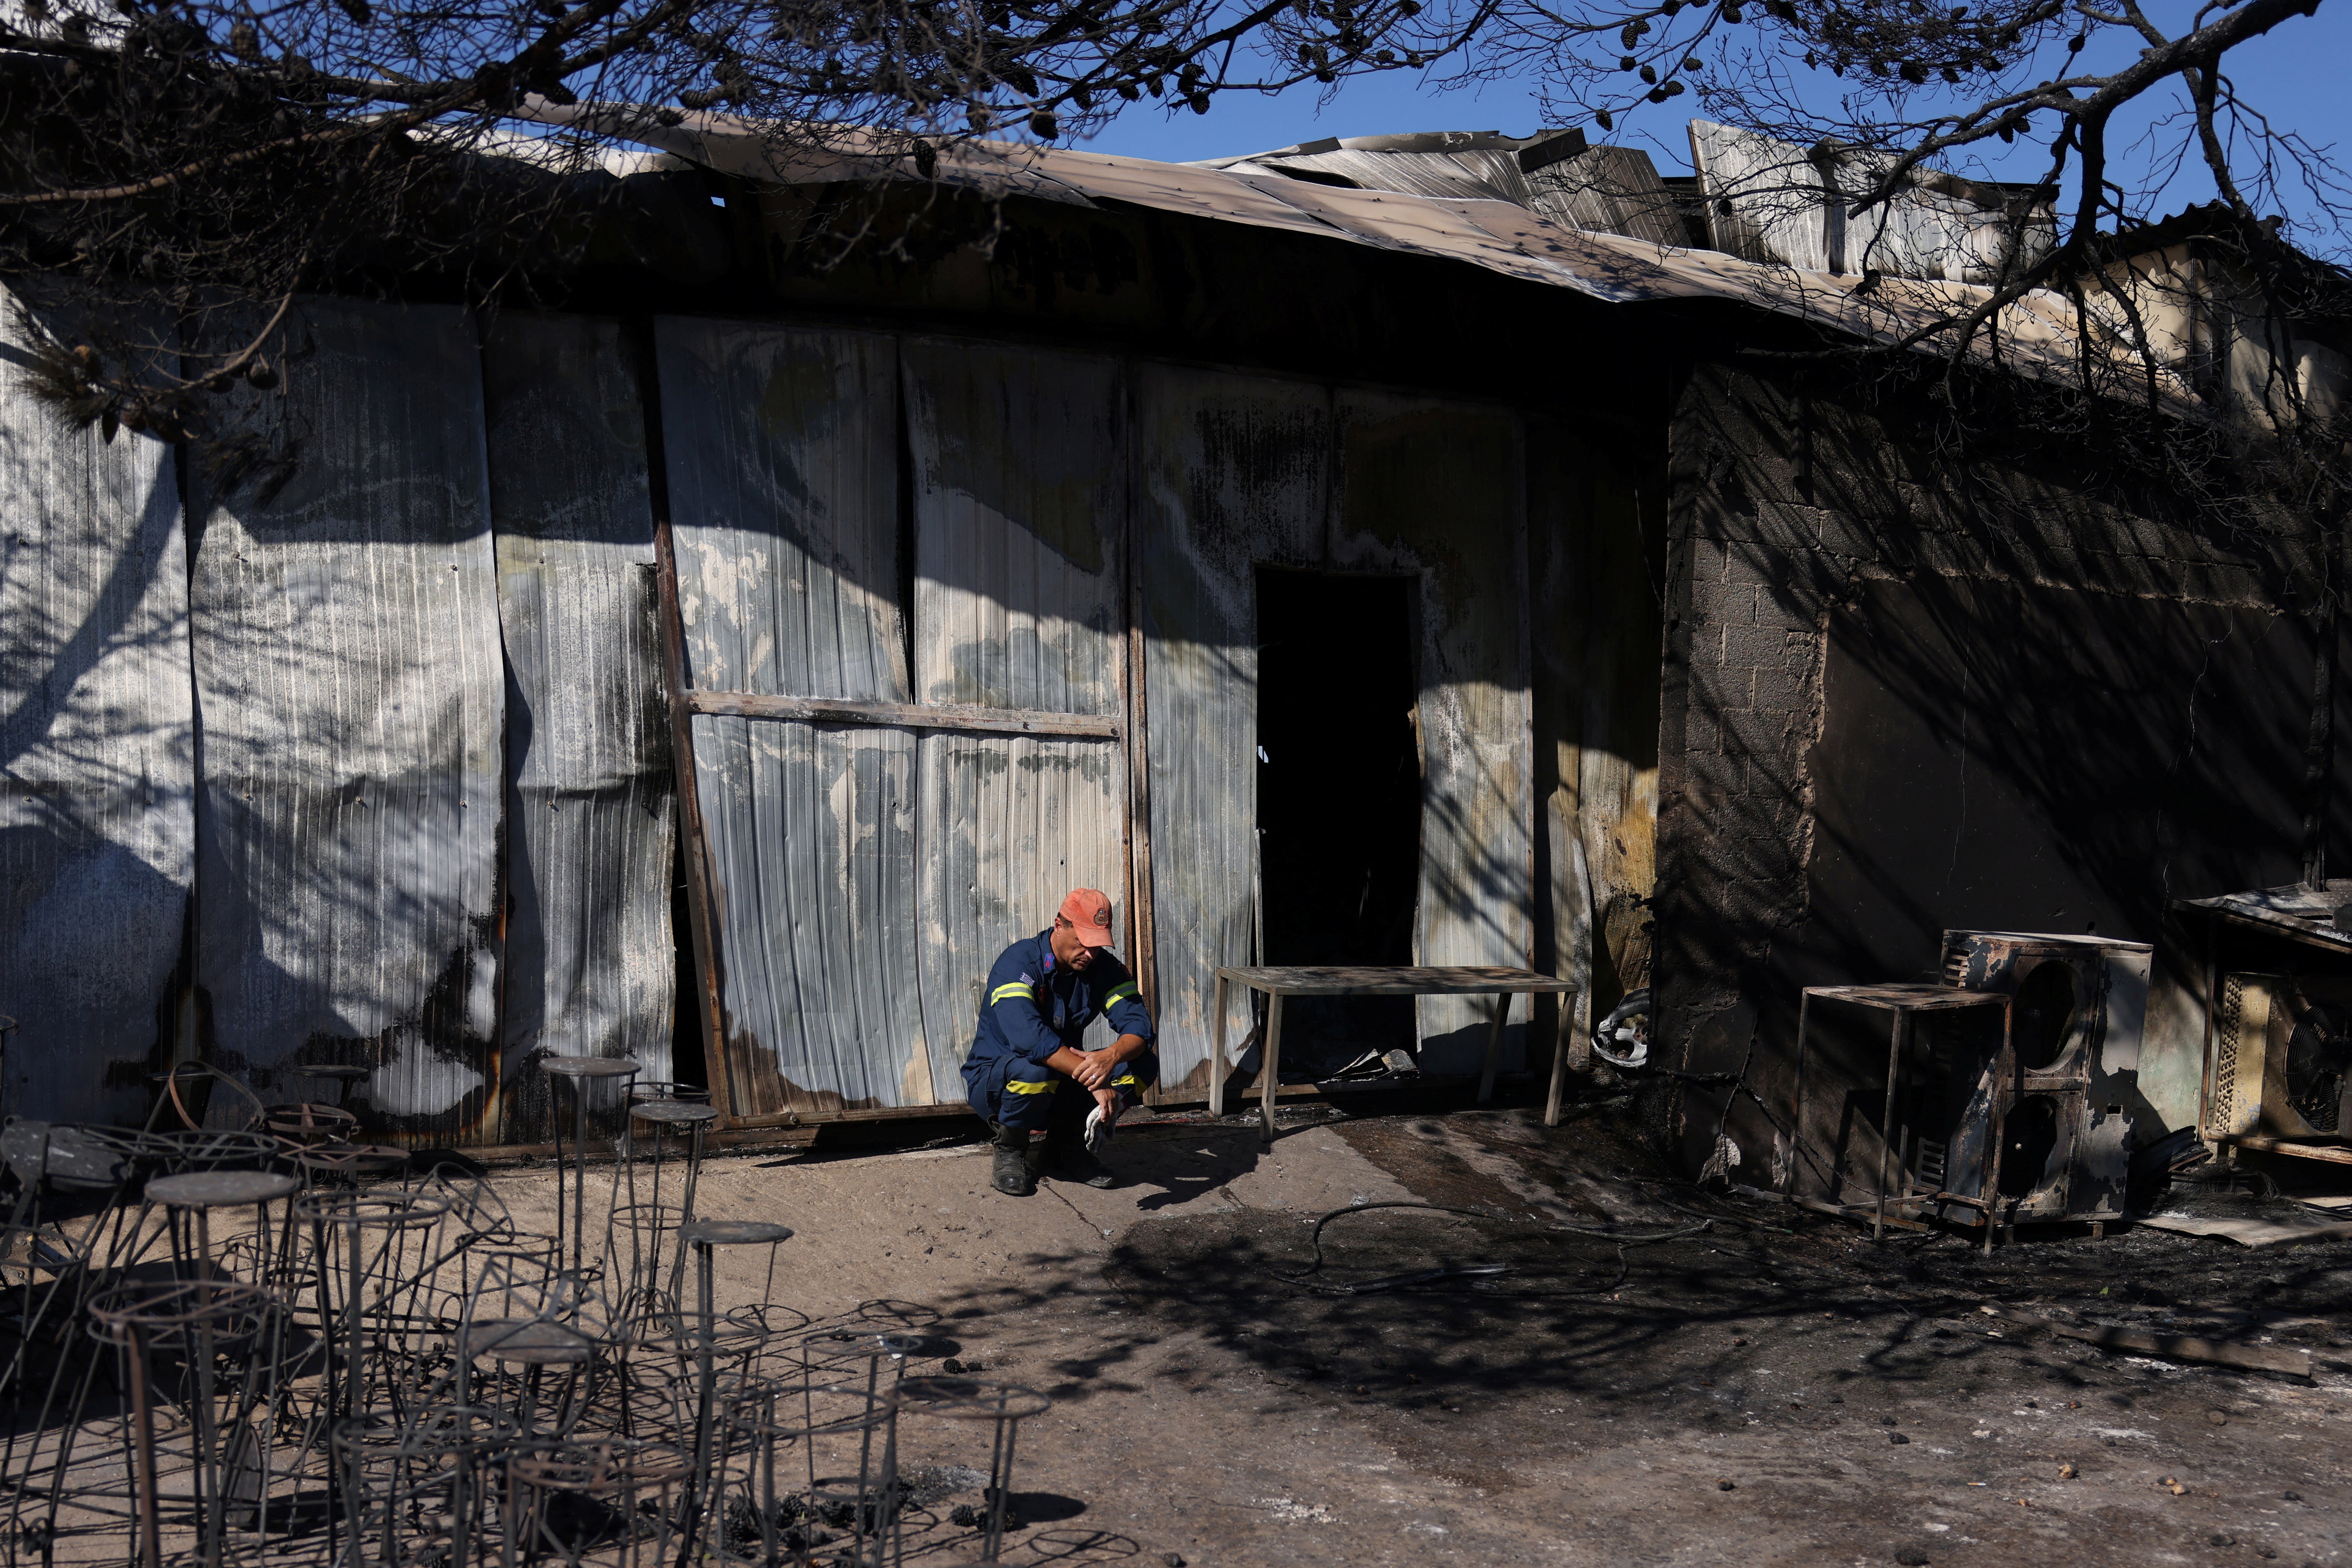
x=417 y=1491
x=608 y=1500
x=644 y=1228
x=578 y=1072
x=1000 y=1408
x=302 y=1125
x=208 y=1324
x=523 y=1321
x=370 y=1257
x=705 y=1237
x=839 y=1503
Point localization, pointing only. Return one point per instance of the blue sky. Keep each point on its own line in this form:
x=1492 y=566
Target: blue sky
x=2296 y=75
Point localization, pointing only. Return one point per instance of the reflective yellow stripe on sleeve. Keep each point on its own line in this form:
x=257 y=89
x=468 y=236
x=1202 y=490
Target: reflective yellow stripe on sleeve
x=1004 y=993
x=1120 y=992
x=1022 y=1086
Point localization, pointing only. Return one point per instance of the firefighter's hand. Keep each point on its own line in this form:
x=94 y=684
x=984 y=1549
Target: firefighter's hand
x=1089 y=1069
x=1110 y=1101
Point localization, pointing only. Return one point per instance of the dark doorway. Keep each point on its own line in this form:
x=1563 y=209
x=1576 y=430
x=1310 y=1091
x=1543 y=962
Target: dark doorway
x=1338 y=801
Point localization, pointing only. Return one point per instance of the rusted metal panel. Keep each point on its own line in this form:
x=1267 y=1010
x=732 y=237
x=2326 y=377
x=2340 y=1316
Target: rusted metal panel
x=1018 y=483
x=97 y=747
x=1438 y=488
x=781 y=452
x=345 y=627
x=591 y=962
x=1232 y=471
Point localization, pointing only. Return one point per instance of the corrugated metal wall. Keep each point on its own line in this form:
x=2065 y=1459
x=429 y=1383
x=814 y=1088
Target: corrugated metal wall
x=781 y=451
x=96 y=758
x=857 y=517
x=1233 y=472
x=352 y=700
x=590 y=956
x=1019 y=500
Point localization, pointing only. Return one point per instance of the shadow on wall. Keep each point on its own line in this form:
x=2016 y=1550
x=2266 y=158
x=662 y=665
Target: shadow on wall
x=97 y=754
x=1877 y=748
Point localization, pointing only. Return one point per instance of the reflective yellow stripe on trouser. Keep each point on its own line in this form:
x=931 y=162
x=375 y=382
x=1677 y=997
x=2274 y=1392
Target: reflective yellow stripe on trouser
x=1020 y=1086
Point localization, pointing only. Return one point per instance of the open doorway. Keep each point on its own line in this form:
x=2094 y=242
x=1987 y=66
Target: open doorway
x=1338 y=801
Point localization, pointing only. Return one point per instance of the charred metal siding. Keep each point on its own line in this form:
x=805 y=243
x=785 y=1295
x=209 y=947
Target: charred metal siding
x=351 y=699
x=1018 y=501
x=97 y=760
x=590 y=798
x=1235 y=471
x=781 y=448
x=1438 y=488
x=1238 y=472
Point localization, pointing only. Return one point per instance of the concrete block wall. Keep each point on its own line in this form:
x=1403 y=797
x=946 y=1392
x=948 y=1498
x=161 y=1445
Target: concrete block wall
x=1786 y=502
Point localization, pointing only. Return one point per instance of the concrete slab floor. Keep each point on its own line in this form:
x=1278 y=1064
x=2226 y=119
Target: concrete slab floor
x=1773 y=1390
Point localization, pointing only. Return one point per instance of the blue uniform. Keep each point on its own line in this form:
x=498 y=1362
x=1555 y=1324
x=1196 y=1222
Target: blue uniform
x=1032 y=1007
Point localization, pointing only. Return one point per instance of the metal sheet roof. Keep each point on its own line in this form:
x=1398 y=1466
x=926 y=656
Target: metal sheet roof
x=1495 y=235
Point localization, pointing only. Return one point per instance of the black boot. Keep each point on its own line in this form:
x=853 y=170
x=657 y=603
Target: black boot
x=1010 y=1173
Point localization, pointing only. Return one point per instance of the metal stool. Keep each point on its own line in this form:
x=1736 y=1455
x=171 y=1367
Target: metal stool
x=615 y=1487
x=417 y=1492
x=1003 y=1408
x=763 y=1517
x=705 y=1237
x=691 y=1120
x=375 y=1248
x=573 y=1070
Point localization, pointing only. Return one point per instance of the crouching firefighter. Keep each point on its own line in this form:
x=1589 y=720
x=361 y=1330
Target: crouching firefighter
x=1028 y=1069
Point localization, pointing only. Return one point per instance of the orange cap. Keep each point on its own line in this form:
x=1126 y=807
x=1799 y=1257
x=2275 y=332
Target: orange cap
x=1088 y=909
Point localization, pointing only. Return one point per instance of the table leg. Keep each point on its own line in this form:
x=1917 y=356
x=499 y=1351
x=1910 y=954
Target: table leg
x=1217 y=1067
x=1559 y=1056
x=1797 y=1138
x=1886 y=1127
x=1270 y=1063
x=1494 y=1046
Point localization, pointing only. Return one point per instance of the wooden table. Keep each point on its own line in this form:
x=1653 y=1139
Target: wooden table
x=1371 y=981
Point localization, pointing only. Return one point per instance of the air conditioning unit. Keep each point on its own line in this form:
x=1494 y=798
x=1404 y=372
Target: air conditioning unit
x=2282 y=1059
x=2064 y=1096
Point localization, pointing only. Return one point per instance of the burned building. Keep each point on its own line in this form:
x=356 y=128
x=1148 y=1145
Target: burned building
x=1412 y=550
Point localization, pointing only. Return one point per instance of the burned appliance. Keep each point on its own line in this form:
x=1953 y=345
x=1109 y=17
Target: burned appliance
x=2281 y=1060
x=2063 y=1098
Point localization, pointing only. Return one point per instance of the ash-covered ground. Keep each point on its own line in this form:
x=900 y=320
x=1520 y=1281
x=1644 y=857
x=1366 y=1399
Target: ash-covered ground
x=1773 y=1387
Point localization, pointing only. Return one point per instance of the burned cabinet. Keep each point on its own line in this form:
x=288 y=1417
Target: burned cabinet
x=2282 y=1059
x=2063 y=1109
